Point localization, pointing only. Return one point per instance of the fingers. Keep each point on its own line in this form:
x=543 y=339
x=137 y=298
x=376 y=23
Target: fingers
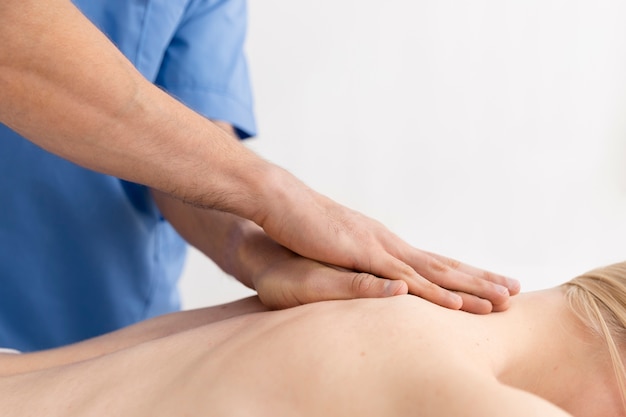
x=436 y=278
x=461 y=278
x=511 y=284
x=447 y=282
x=390 y=266
x=451 y=288
x=475 y=305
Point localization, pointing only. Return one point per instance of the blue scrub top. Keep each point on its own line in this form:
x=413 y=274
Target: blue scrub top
x=83 y=253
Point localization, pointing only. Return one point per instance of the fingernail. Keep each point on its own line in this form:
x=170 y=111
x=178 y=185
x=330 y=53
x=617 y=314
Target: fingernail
x=456 y=299
x=512 y=283
x=394 y=288
x=502 y=290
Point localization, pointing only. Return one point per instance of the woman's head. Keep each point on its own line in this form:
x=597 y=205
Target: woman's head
x=598 y=298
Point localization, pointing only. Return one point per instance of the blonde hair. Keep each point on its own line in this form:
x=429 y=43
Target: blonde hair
x=598 y=298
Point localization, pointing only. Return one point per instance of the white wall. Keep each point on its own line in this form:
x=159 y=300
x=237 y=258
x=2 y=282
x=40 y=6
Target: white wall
x=489 y=131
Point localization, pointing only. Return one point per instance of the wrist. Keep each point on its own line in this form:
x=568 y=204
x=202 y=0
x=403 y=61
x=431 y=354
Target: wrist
x=250 y=252
x=234 y=250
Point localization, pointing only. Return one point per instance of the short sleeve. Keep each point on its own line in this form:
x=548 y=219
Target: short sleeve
x=205 y=66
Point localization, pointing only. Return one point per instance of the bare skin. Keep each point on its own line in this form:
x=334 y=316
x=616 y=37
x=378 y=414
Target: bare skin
x=399 y=356
x=65 y=87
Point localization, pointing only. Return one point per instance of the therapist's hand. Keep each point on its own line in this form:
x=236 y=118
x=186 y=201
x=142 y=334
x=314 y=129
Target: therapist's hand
x=295 y=280
x=316 y=227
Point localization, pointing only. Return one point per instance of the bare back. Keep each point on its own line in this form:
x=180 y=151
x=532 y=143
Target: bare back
x=386 y=357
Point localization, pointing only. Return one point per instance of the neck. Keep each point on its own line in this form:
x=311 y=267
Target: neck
x=551 y=353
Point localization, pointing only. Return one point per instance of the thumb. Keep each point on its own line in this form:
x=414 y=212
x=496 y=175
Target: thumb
x=364 y=285
x=322 y=284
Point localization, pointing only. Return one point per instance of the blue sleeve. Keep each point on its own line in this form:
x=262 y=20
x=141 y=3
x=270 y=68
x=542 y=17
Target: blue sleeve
x=205 y=65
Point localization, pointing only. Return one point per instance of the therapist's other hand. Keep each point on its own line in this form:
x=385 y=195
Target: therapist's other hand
x=316 y=227
x=285 y=279
x=295 y=280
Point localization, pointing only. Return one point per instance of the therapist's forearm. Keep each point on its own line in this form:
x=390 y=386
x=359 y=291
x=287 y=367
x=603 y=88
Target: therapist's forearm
x=68 y=89
x=238 y=246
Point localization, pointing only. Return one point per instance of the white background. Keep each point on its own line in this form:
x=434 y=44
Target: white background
x=489 y=131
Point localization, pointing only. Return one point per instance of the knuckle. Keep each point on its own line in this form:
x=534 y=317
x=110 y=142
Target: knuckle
x=453 y=263
x=362 y=282
x=436 y=265
x=427 y=289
